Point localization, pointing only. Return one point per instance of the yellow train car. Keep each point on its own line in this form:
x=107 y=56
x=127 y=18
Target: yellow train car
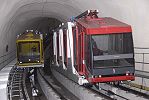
x=30 y=50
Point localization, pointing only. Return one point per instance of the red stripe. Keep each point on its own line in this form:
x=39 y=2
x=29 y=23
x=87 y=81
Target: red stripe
x=109 y=30
x=110 y=79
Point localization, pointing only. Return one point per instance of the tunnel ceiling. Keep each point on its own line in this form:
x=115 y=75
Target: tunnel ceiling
x=24 y=13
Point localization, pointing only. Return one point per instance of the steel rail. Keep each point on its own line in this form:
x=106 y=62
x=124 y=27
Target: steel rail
x=107 y=94
x=16 y=88
x=25 y=93
x=101 y=94
x=56 y=91
x=133 y=91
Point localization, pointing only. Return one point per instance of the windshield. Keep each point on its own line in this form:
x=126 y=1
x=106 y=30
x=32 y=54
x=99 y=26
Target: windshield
x=28 y=52
x=111 y=50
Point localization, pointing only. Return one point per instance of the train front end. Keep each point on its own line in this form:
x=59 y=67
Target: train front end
x=107 y=46
x=29 y=50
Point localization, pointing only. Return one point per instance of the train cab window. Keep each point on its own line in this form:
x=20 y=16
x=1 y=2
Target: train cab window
x=96 y=49
x=29 y=52
x=112 y=50
x=34 y=48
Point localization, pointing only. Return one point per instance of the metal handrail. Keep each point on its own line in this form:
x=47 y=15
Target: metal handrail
x=12 y=56
x=140 y=48
x=7 y=54
x=143 y=54
x=7 y=59
x=142 y=62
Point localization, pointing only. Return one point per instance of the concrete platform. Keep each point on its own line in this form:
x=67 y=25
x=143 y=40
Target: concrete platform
x=4 y=74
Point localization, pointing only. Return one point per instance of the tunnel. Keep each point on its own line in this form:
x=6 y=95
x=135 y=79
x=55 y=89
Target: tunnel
x=45 y=15
x=17 y=16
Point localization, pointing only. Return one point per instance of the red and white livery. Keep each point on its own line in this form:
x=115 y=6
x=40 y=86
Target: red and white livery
x=92 y=49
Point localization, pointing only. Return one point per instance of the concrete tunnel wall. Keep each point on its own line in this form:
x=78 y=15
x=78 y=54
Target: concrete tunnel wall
x=18 y=15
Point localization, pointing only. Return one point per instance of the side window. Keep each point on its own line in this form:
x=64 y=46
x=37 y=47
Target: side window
x=57 y=47
x=74 y=46
x=88 y=54
x=79 y=50
x=65 y=46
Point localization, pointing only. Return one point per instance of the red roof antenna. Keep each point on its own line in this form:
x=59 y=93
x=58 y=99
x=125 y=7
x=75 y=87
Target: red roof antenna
x=88 y=14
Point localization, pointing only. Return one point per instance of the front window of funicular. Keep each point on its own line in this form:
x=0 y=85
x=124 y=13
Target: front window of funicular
x=109 y=50
x=29 y=52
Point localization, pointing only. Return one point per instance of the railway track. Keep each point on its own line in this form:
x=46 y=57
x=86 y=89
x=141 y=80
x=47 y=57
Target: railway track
x=133 y=91
x=16 y=87
x=62 y=92
x=120 y=92
x=107 y=94
x=106 y=91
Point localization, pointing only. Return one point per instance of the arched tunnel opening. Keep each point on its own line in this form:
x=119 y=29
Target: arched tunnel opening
x=43 y=16
x=35 y=15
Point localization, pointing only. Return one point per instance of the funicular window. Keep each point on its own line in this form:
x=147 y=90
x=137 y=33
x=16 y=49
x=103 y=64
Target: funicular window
x=112 y=50
x=42 y=49
x=57 y=47
x=28 y=52
x=79 y=50
x=75 y=46
x=65 y=46
x=88 y=50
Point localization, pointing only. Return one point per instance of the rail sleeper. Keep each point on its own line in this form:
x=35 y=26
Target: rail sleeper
x=49 y=93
